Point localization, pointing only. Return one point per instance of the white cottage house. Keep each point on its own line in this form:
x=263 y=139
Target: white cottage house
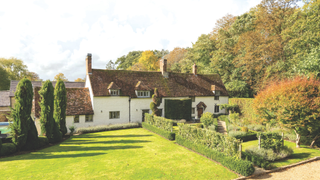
x=123 y=96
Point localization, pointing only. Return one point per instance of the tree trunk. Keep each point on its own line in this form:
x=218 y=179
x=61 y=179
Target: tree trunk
x=314 y=140
x=298 y=139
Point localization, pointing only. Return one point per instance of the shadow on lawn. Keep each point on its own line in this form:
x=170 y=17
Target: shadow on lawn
x=104 y=142
x=110 y=136
x=300 y=155
x=47 y=153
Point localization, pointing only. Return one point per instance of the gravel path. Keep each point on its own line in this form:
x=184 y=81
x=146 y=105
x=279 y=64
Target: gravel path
x=309 y=171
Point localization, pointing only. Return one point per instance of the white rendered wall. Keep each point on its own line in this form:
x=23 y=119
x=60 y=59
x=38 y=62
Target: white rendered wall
x=82 y=123
x=103 y=105
x=210 y=103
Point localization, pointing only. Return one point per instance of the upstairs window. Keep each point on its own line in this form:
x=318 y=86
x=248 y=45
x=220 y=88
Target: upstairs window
x=143 y=93
x=216 y=97
x=114 y=92
x=217 y=93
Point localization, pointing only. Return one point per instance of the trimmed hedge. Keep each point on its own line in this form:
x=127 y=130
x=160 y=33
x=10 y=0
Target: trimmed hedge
x=159 y=122
x=245 y=106
x=256 y=160
x=240 y=166
x=108 y=127
x=178 y=108
x=7 y=149
x=247 y=137
x=166 y=134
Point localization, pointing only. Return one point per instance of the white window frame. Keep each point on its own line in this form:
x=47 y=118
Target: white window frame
x=114 y=114
x=89 y=118
x=143 y=94
x=114 y=92
x=76 y=117
x=193 y=110
x=218 y=110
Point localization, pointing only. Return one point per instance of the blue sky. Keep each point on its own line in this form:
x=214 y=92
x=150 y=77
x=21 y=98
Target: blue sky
x=53 y=36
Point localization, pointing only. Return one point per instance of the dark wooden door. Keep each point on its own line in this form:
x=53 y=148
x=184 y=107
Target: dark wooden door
x=200 y=111
x=143 y=112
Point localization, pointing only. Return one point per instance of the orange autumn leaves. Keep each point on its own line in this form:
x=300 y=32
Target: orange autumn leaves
x=291 y=103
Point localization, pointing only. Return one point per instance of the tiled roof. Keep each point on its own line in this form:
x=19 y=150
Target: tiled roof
x=78 y=101
x=4 y=98
x=113 y=86
x=14 y=83
x=176 y=85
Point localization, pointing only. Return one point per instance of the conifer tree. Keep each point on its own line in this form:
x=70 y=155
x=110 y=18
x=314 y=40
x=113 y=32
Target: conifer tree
x=60 y=106
x=46 y=114
x=21 y=112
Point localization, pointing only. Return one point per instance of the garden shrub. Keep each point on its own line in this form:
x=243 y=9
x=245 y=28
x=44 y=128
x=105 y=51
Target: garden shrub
x=199 y=125
x=178 y=108
x=271 y=140
x=211 y=139
x=156 y=101
x=207 y=119
x=7 y=149
x=244 y=129
x=167 y=134
x=256 y=160
x=245 y=107
x=243 y=136
x=72 y=129
x=56 y=133
x=218 y=115
x=106 y=127
x=223 y=118
x=213 y=127
x=234 y=118
x=0 y=144
x=232 y=127
x=256 y=127
x=43 y=141
x=269 y=154
x=242 y=167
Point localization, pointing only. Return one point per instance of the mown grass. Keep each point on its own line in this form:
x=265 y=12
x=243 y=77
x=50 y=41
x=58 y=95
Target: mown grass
x=299 y=154
x=122 y=154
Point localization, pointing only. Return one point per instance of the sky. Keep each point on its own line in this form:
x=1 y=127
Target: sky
x=54 y=36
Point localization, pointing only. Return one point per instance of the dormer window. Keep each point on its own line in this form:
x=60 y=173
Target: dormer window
x=217 y=93
x=114 y=92
x=143 y=93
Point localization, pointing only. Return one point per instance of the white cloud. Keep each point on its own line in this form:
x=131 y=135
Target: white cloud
x=55 y=36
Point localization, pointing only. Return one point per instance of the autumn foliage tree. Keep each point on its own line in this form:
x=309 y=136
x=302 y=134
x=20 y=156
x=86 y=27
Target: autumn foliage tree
x=60 y=76
x=294 y=104
x=148 y=61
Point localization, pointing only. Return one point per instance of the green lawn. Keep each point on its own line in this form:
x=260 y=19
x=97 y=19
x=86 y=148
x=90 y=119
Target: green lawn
x=122 y=154
x=299 y=154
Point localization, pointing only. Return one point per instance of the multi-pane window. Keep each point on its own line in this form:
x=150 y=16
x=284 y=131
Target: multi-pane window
x=216 y=97
x=143 y=93
x=193 y=110
x=114 y=92
x=216 y=108
x=217 y=93
x=89 y=118
x=114 y=114
x=76 y=119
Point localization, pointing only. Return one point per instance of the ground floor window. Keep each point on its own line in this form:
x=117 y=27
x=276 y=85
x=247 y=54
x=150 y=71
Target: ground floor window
x=76 y=119
x=193 y=110
x=114 y=114
x=89 y=118
x=216 y=108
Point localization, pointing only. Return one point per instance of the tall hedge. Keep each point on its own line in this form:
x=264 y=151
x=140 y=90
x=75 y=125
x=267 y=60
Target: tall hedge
x=60 y=106
x=245 y=108
x=21 y=112
x=46 y=114
x=178 y=108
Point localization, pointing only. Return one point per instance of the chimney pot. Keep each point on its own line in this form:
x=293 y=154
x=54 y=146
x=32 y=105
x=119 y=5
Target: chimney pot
x=89 y=64
x=195 y=67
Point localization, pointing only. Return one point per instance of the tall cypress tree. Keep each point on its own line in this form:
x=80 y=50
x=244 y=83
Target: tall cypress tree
x=46 y=114
x=60 y=106
x=21 y=112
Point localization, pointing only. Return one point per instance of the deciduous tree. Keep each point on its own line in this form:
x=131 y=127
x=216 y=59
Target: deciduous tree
x=60 y=76
x=80 y=80
x=4 y=80
x=294 y=104
x=15 y=68
x=149 y=61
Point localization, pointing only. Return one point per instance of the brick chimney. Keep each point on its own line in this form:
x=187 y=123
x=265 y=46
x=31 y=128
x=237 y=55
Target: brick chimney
x=163 y=68
x=194 y=69
x=89 y=64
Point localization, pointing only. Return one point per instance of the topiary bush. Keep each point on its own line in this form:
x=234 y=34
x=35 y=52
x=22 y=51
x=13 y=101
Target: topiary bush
x=271 y=140
x=156 y=101
x=243 y=136
x=207 y=119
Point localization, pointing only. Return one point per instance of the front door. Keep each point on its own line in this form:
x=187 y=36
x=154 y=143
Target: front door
x=143 y=112
x=200 y=111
